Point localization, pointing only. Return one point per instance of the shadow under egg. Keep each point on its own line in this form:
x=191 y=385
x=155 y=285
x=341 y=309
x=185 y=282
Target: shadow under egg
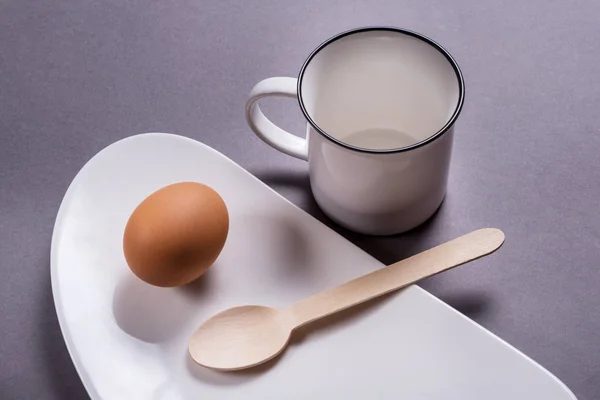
x=155 y=314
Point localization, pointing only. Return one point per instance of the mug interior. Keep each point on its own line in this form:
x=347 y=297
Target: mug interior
x=380 y=89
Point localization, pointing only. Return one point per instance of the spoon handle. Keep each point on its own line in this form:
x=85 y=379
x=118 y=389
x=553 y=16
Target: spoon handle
x=398 y=275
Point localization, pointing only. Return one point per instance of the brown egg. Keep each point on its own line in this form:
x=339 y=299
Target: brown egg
x=176 y=234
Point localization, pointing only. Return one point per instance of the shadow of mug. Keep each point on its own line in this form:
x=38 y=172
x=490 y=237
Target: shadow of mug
x=387 y=249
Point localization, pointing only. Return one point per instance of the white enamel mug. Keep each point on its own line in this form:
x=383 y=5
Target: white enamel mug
x=380 y=105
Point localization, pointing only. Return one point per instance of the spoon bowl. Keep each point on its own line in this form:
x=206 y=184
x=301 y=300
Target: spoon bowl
x=241 y=337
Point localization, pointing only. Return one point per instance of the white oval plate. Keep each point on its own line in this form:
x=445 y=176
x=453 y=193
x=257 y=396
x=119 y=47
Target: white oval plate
x=128 y=340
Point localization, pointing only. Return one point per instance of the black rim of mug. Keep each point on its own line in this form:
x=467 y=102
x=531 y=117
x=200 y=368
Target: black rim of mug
x=429 y=139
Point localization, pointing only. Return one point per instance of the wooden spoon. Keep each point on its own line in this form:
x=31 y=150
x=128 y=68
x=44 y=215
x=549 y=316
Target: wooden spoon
x=243 y=337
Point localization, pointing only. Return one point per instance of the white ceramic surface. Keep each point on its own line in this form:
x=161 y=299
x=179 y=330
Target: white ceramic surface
x=381 y=105
x=128 y=340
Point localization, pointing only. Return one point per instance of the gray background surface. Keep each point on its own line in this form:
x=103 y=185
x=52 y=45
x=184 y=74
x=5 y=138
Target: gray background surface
x=76 y=76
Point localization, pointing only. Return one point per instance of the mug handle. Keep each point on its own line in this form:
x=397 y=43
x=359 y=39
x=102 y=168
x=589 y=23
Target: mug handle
x=270 y=133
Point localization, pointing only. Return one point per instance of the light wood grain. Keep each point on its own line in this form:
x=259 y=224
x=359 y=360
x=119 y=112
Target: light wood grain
x=398 y=275
x=242 y=337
